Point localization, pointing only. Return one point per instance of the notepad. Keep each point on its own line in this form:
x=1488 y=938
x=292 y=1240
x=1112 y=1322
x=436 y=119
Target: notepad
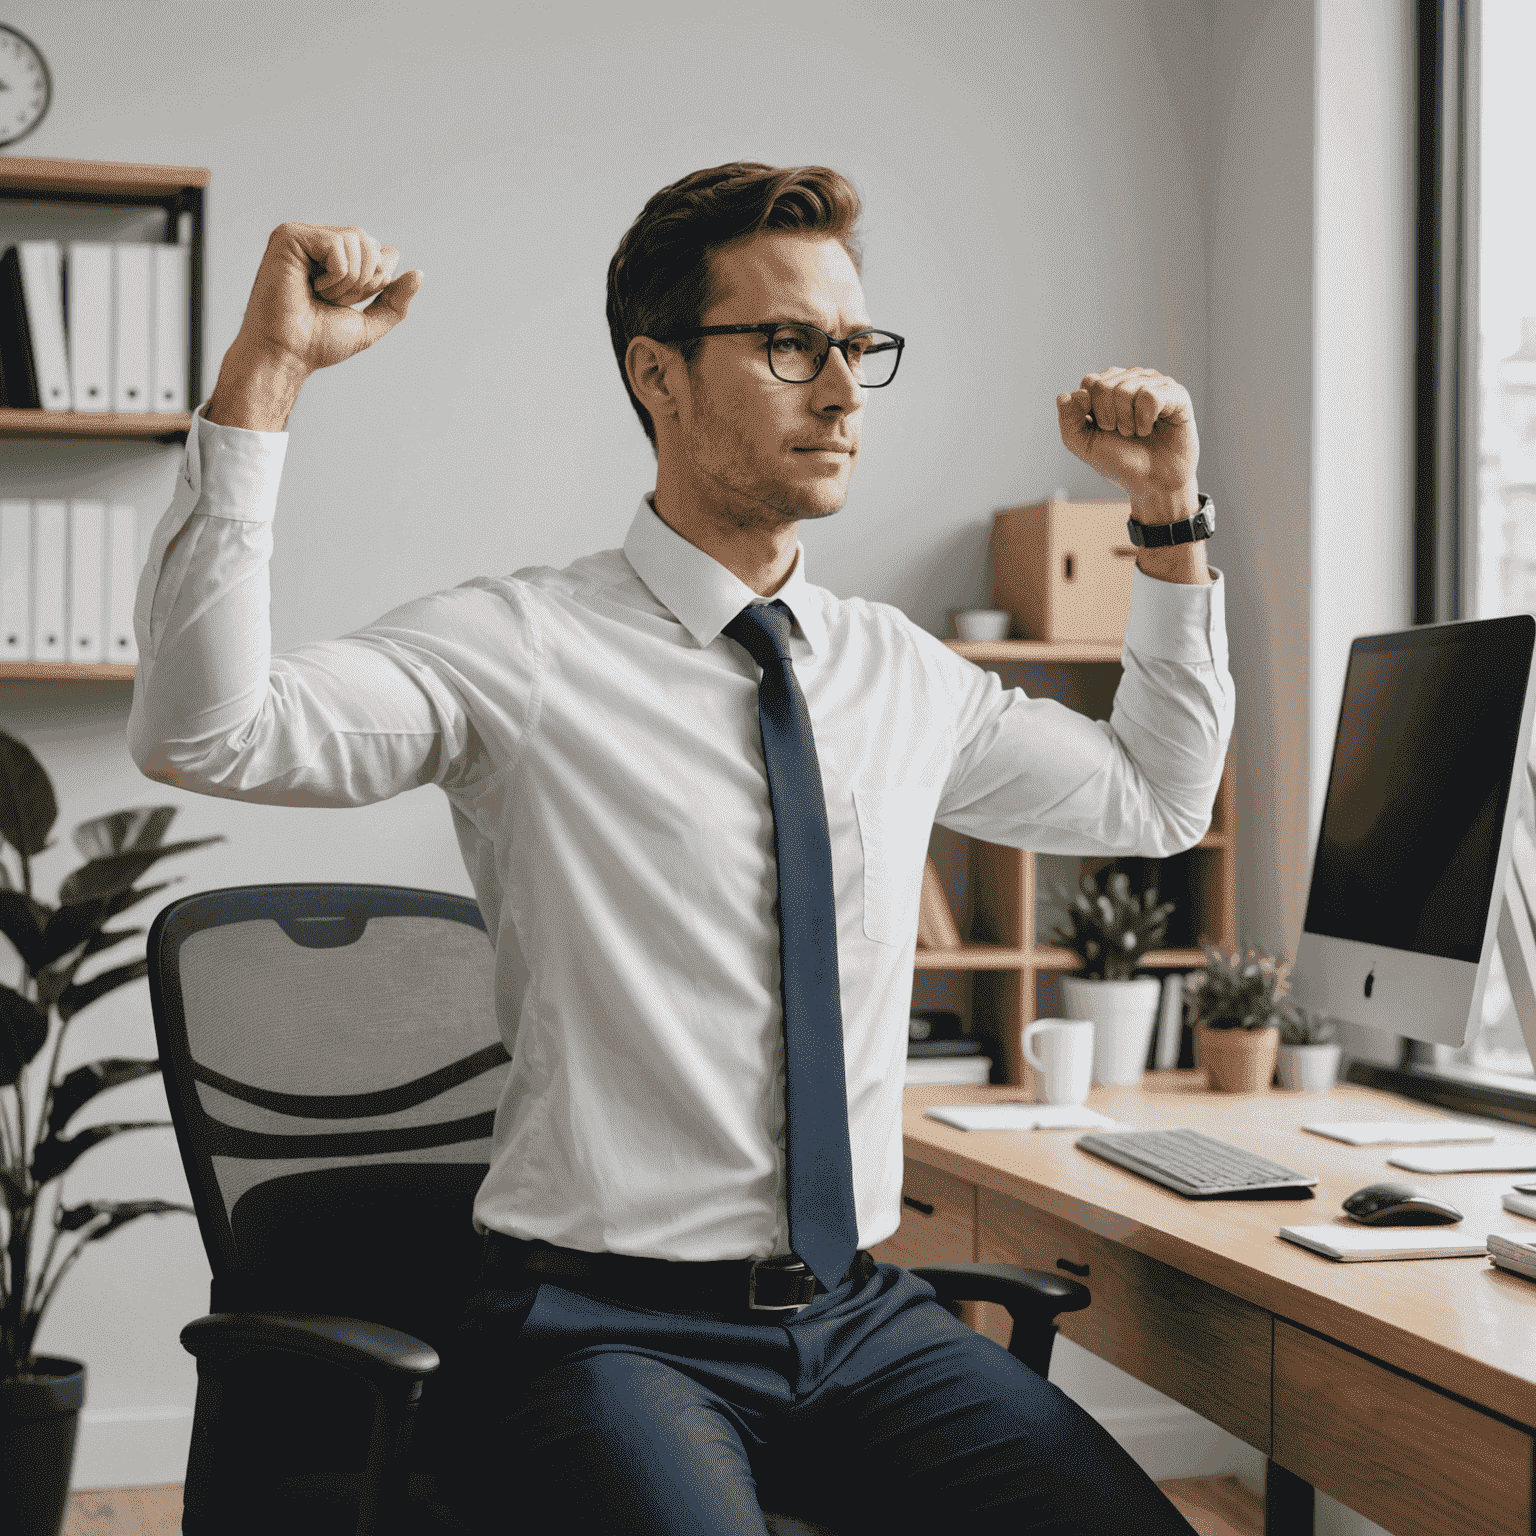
x=1018 y=1117
x=1348 y=1243
x=1521 y=1205
x=1502 y=1157
x=1380 y=1133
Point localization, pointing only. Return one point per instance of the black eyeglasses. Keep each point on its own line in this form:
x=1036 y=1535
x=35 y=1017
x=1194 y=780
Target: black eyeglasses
x=797 y=352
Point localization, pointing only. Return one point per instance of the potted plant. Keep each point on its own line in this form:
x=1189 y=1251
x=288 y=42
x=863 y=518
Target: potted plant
x=1234 y=1008
x=1111 y=930
x=41 y=1395
x=1309 y=1048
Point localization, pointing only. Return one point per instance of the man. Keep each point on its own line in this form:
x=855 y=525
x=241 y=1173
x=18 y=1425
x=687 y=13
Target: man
x=694 y=793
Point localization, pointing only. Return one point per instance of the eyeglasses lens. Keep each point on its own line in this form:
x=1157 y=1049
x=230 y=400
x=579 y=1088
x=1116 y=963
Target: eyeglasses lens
x=796 y=353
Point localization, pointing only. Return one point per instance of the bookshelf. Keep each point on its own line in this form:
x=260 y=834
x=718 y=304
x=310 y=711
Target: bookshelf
x=1011 y=975
x=30 y=188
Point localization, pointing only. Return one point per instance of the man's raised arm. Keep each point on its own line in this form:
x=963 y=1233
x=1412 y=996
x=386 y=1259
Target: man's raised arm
x=340 y=722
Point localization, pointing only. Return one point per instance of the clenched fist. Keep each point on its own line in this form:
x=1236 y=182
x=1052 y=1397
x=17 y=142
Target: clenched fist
x=300 y=318
x=310 y=276
x=1136 y=427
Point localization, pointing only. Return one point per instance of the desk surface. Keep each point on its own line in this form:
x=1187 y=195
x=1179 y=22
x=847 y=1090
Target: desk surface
x=1460 y=1324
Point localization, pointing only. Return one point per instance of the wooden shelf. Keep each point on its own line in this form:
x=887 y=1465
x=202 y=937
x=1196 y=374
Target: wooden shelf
x=1037 y=650
x=67 y=671
x=163 y=426
x=998 y=957
x=81 y=180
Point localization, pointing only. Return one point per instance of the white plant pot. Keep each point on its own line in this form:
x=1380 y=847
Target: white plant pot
x=1124 y=1014
x=1309 y=1068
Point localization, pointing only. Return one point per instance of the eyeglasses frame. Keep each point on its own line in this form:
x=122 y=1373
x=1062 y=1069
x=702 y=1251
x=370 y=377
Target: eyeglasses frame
x=769 y=327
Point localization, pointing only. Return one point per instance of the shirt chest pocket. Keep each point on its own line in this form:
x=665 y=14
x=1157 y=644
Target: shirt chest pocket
x=894 y=826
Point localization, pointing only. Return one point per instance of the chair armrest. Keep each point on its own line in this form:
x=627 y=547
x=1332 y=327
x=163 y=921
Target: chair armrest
x=1035 y=1293
x=384 y=1357
x=1033 y=1298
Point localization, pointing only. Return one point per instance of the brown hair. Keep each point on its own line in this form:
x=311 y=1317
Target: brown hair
x=659 y=278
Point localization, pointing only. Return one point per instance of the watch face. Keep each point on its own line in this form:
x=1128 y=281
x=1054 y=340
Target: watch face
x=25 y=88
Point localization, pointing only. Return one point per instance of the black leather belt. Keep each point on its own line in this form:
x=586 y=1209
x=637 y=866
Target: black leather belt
x=779 y=1286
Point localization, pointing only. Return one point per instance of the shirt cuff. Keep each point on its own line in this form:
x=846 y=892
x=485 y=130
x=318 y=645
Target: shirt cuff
x=232 y=472
x=1175 y=621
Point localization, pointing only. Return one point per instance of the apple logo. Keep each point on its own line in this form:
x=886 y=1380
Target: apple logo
x=1370 y=981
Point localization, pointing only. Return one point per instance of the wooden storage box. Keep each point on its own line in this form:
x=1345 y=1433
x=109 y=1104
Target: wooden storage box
x=1063 y=569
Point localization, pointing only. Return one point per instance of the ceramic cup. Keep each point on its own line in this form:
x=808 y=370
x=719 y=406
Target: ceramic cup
x=983 y=624
x=1061 y=1051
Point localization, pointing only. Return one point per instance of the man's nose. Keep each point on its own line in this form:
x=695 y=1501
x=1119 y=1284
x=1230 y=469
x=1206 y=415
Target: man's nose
x=836 y=387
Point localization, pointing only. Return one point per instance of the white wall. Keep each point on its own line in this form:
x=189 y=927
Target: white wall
x=1118 y=181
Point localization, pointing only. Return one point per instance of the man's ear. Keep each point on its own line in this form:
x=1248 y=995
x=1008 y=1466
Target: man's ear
x=658 y=375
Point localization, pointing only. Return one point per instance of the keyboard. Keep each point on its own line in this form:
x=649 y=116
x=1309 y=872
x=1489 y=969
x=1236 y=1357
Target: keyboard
x=1193 y=1164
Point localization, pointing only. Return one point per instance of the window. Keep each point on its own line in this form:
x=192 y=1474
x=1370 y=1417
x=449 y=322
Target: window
x=1475 y=553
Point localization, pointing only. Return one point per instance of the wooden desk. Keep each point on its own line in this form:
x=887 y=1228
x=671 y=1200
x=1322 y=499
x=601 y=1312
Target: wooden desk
x=1406 y=1390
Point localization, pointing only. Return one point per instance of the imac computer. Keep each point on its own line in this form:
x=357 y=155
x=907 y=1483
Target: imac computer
x=1424 y=851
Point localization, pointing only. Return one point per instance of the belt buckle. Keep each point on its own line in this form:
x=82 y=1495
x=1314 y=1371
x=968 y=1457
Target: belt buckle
x=785 y=1263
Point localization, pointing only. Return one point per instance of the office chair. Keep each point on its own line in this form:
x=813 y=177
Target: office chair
x=332 y=1060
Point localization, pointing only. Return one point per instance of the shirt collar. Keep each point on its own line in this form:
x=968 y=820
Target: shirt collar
x=701 y=593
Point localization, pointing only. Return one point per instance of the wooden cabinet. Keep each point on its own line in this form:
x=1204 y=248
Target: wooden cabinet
x=101 y=200
x=1008 y=971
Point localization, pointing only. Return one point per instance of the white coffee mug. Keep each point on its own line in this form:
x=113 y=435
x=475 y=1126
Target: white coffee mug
x=983 y=624
x=1061 y=1051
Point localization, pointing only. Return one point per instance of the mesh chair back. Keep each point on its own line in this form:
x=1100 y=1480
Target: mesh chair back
x=332 y=1060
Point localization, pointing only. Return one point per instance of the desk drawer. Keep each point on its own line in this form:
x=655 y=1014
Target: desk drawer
x=1204 y=1348
x=938 y=1220
x=1394 y=1450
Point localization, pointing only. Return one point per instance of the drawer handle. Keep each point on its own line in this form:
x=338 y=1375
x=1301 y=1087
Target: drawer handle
x=1080 y=1270
x=917 y=1205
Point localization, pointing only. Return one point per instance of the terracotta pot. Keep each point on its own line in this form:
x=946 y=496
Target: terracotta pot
x=1239 y=1060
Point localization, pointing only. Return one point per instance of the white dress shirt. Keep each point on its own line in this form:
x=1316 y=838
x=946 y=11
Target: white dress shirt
x=597 y=738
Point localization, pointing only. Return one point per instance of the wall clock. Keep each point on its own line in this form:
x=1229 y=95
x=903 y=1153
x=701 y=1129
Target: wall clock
x=25 y=85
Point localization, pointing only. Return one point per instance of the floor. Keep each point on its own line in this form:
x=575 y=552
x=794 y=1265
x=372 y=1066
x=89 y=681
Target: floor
x=1215 y=1506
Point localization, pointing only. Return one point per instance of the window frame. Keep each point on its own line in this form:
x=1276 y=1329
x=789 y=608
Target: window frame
x=1447 y=434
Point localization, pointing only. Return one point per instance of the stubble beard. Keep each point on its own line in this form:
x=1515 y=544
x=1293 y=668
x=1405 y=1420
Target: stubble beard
x=742 y=500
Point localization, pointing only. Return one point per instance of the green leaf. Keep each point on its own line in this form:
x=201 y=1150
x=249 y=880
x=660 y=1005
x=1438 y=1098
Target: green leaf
x=117 y=871
x=82 y=994
x=23 y=1033
x=84 y=1083
x=10 y=1186
x=107 y=938
x=121 y=1213
x=52 y=1156
x=125 y=899
x=141 y=827
x=71 y=925
x=27 y=805
x=22 y=921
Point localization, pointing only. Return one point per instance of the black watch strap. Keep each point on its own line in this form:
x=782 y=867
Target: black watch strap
x=1189 y=530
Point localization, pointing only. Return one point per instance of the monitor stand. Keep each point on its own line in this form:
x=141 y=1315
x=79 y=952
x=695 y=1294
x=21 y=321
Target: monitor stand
x=1517 y=916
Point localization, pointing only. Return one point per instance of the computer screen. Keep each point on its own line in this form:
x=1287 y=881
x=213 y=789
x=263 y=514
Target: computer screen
x=1412 y=854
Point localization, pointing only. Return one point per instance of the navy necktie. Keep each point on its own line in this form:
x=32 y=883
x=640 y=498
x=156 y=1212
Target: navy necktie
x=823 y=1229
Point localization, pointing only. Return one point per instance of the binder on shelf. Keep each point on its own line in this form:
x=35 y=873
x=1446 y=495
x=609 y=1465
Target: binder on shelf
x=133 y=292
x=88 y=316
x=15 y=581
x=87 y=566
x=18 y=378
x=50 y=580
x=935 y=922
x=42 y=282
x=123 y=566
x=169 y=353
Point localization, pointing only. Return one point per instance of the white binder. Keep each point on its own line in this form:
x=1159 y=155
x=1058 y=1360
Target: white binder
x=15 y=581
x=89 y=320
x=169 y=354
x=134 y=293
x=42 y=283
x=86 y=604
x=50 y=579
x=123 y=566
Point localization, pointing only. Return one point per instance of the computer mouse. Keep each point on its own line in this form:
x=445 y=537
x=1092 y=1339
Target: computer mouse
x=1399 y=1205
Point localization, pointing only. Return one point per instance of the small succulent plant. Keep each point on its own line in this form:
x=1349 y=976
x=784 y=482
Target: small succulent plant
x=1235 y=991
x=1114 y=927
x=1301 y=1025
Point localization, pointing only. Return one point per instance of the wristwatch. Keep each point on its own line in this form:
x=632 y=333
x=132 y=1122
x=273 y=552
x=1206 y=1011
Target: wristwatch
x=1189 y=530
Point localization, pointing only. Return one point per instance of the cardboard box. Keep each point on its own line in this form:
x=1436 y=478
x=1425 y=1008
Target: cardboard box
x=1063 y=569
